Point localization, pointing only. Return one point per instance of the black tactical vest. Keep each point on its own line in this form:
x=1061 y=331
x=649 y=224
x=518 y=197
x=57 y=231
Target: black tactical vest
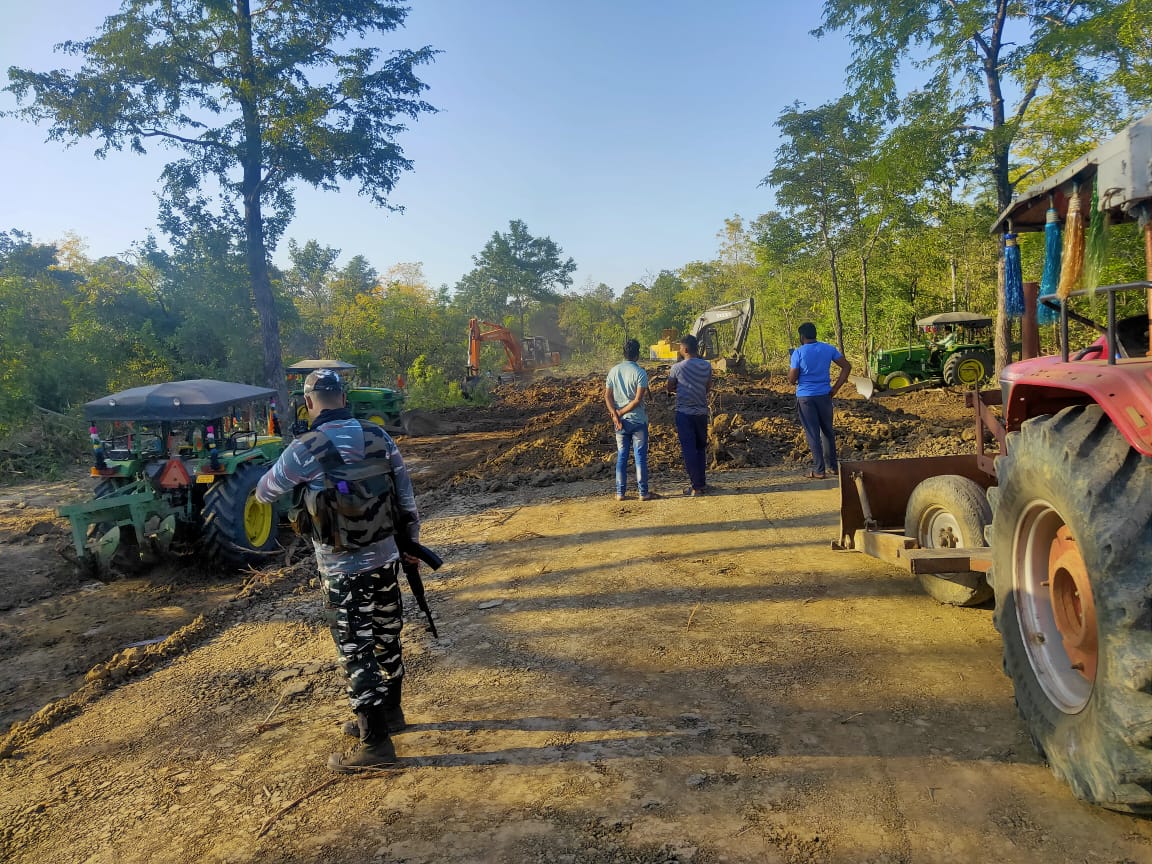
x=356 y=507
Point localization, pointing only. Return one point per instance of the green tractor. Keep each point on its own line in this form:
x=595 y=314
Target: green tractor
x=181 y=463
x=380 y=405
x=956 y=349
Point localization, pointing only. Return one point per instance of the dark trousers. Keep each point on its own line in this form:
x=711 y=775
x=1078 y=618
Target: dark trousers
x=364 y=613
x=816 y=418
x=692 y=430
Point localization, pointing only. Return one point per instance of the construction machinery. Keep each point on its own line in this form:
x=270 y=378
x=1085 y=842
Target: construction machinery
x=1051 y=516
x=524 y=356
x=667 y=349
x=955 y=349
x=721 y=345
x=380 y=405
x=180 y=461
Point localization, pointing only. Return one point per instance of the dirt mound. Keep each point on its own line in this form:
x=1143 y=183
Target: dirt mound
x=552 y=430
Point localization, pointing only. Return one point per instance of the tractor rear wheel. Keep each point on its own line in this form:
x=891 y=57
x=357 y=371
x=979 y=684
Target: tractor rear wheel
x=898 y=380
x=1071 y=557
x=388 y=422
x=237 y=527
x=950 y=512
x=969 y=368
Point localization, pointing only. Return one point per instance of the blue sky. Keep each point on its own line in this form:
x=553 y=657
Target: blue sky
x=626 y=131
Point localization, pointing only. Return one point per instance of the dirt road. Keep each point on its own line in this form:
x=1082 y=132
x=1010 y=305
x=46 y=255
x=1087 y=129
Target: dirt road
x=698 y=680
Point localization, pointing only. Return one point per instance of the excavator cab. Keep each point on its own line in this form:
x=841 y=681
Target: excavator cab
x=721 y=345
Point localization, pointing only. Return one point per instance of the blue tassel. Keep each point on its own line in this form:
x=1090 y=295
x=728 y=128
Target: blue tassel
x=1013 y=278
x=1053 y=246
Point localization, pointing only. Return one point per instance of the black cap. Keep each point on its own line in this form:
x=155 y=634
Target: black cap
x=324 y=379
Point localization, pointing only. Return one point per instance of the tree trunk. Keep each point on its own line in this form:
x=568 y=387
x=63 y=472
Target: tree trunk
x=952 y=272
x=1003 y=334
x=255 y=252
x=863 y=308
x=839 y=321
x=1001 y=146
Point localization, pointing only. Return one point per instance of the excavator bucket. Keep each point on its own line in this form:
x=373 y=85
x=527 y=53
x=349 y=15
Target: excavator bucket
x=864 y=386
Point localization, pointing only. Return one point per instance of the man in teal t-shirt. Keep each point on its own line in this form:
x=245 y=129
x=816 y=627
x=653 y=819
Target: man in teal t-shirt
x=810 y=372
x=624 y=392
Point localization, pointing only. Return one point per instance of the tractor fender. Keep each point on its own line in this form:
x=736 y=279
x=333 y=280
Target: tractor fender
x=1045 y=385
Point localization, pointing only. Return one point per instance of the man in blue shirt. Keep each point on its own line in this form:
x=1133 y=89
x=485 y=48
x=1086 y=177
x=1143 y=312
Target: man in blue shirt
x=624 y=392
x=690 y=381
x=811 y=373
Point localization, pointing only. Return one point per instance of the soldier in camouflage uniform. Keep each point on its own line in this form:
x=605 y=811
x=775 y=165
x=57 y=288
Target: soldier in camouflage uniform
x=360 y=585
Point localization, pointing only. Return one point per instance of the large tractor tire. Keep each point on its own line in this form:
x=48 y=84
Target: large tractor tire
x=238 y=529
x=950 y=512
x=898 y=380
x=969 y=368
x=1072 y=553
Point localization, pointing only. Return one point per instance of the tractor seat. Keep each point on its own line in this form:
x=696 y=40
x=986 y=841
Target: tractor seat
x=1132 y=334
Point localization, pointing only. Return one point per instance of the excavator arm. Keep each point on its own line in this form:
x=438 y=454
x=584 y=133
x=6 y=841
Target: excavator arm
x=731 y=356
x=486 y=331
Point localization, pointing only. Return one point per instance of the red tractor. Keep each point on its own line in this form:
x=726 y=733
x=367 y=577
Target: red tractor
x=1052 y=517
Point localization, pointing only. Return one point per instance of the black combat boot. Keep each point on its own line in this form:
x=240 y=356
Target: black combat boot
x=375 y=750
x=393 y=712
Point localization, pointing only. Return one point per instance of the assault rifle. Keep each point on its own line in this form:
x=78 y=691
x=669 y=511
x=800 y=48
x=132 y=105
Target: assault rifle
x=412 y=572
x=301 y=521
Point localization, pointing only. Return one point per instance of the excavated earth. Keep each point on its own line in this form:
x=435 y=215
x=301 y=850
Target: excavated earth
x=682 y=680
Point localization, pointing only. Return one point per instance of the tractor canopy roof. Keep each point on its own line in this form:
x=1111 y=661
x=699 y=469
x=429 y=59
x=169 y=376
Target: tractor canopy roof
x=199 y=399
x=305 y=366
x=1121 y=168
x=956 y=319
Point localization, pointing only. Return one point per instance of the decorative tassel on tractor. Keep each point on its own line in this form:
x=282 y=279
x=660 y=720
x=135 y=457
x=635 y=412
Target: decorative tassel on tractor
x=1072 y=267
x=1013 y=278
x=1096 y=254
x=1050 y=280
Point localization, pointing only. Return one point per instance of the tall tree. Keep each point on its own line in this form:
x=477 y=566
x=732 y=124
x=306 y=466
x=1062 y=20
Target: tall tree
x=514 y=265
x=813 y=179
x=980 y=50
x=255 y=99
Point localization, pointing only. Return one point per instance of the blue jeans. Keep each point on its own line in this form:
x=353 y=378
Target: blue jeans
x=634 y=437
x=692 y=429
x=816 y=418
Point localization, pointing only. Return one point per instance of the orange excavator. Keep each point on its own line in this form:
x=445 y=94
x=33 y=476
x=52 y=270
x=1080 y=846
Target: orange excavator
x=525 y=355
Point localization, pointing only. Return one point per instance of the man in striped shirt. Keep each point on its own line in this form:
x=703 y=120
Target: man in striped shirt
x=690 y=381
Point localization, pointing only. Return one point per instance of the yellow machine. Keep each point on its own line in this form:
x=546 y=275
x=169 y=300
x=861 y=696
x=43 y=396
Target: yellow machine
x=721 y=332
x=668 y=348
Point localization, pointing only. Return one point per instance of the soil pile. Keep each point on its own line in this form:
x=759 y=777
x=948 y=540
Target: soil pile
x=555 y=430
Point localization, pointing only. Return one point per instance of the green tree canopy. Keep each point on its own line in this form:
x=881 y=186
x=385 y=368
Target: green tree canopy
x=514 y=268
x=256 y=100
x=988 y=62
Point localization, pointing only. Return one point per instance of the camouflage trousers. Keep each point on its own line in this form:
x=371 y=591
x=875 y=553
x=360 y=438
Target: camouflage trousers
x=365 y=615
